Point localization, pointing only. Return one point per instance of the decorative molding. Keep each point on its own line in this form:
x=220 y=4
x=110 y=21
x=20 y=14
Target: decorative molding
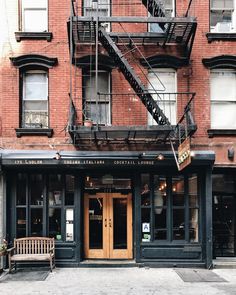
x=105 y=62
x=164 y=61
x=34 y=131
x=33 y=35
x=221 y=132
x=221 y=61
x=221 y=36
x=33 y=60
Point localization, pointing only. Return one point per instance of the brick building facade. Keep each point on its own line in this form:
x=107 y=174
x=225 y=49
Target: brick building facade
x=96 y=99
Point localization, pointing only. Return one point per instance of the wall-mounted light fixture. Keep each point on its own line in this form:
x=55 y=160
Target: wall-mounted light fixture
x=57 y=156
x=231 y=153
x=160 y=157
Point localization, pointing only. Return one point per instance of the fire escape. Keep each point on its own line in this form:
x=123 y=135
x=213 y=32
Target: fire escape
x=173 y=32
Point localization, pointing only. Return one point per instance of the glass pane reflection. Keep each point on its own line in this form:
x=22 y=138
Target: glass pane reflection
x=96 y=223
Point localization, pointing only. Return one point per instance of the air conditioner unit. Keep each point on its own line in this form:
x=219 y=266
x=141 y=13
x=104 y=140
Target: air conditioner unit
x=223 y=27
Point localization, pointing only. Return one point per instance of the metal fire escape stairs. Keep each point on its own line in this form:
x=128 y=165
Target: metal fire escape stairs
x=155 y=8
x=131 y=77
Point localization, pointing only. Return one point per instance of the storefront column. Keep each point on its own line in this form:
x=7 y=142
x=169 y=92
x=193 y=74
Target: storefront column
x=208 y=218
x=2 y=214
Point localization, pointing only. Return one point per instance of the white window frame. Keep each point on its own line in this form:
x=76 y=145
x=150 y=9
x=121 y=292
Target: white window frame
x=159 y=29
x=101 y=100
x=34 y=124
x=228 y=122
x=160 y=88
x=34 y=6
x=224 y=26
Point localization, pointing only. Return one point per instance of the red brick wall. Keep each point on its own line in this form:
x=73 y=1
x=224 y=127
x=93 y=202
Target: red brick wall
x=194 y=78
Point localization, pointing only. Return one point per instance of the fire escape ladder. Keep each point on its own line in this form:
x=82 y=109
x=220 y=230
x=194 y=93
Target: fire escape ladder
x=154 y=7
x=134 y=81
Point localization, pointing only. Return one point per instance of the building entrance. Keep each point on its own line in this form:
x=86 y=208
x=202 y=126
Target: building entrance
x=108 y=225
x=224 y=225
x=224 y=215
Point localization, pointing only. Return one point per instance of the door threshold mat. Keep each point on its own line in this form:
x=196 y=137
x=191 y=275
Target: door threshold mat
x=198 y=275
x=26 y=275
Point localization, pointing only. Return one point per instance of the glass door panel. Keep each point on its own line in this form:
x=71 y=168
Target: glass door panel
x=120 y=223
x=95 y=223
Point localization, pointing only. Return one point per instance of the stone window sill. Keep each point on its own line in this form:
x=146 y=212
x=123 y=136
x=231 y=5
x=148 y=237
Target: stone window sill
x=33 y=35
x=221 y=36
x=34 y=131
x=221 y=132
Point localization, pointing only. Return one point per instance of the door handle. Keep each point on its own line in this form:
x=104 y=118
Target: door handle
x=105 y=221
x=110 y=224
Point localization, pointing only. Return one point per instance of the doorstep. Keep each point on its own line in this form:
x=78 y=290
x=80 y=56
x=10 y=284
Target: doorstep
x=224 y=262
x=94 y=263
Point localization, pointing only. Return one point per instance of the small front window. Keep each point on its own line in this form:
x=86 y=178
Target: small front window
x=97 y=106
x=223 y=16
x=34 y=16
x=35 y=100
x=223 y=99
x=162 y=86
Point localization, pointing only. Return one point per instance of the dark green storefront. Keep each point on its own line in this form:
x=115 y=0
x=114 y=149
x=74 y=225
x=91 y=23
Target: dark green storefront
x=112 y=205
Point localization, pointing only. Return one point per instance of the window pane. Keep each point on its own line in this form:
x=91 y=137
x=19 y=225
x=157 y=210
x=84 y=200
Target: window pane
x=35 y=119
x=34 y=4
x=98 y=113
x=193 y=225
x=221 y=21
x=36 y=189
x=146 y=224
x=160 y=231
x=55 y=189
x=55 y=223
x=96 y=223
x=160 y=197
x=70 y=188
x=223 y=85
x=35 y=20
x=164 y=81
x=21 y=189
x=178 y=190
x=90 y=84
x=20 y=222
x=219 y=119
x=218 y=4
x=69 y=225
x=145 y=190
x=192 y=191
x=35 y=86
x=178 y=224
x=36 y=106
x=37 y=222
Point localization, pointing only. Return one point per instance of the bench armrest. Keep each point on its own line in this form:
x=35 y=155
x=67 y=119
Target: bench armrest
x=10 y=250
x=51 y=250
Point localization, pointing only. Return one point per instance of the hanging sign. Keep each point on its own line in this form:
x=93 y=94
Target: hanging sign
x=184 y=154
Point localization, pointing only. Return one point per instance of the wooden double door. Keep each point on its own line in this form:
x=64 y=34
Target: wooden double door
x=108 y=226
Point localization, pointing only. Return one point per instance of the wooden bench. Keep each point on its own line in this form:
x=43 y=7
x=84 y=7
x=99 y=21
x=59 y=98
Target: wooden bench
x=32 y=249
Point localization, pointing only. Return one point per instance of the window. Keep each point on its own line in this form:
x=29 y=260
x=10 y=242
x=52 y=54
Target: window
x=164 y=82
x=34 y=16
x=169 y=211
x=100 y=8
x=45 y=211
x=97 y=107
x=35 y=100
x=169 y=6
x=223 y=16
x=223 y=99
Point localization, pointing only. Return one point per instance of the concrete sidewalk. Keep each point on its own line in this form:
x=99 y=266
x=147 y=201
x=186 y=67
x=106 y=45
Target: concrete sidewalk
x=120 y=281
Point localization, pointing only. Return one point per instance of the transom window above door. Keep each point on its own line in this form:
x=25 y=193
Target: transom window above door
x=34 y=16
x=223 y=99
